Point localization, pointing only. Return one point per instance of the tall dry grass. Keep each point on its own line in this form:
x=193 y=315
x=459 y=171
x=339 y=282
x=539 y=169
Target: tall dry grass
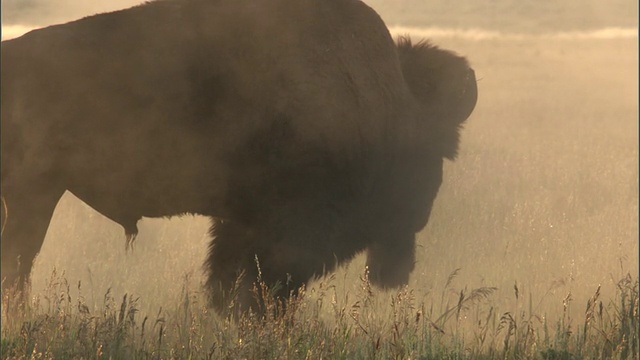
x=320 y=323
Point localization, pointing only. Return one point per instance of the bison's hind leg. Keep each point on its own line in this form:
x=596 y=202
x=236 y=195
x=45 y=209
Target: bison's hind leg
x=26 y=218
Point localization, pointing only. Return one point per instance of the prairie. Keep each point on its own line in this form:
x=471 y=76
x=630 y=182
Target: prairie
x=537 y=220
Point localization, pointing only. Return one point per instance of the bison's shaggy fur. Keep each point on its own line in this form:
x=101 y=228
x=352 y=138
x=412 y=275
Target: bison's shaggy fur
x=298 y=126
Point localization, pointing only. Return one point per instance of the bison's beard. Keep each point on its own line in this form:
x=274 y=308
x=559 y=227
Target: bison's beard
x=390 y=264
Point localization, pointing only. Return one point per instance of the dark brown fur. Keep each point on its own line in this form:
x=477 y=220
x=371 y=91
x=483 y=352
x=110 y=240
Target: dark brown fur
x=296 y=125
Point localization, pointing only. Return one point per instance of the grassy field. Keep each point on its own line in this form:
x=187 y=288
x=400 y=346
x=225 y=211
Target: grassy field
x=321 y=323
x=531 y=252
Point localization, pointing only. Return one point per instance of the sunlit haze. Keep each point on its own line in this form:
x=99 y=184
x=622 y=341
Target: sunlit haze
x=543 y=194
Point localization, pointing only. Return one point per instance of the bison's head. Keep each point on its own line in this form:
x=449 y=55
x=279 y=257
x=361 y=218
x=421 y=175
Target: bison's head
x=444 y=87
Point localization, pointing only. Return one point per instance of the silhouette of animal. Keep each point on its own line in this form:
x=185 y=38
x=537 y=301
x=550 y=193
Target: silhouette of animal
x=299 y=127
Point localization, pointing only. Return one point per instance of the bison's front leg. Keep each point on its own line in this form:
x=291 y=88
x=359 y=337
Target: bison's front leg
x=230 y=266
x=293 y=243
x=240 y=255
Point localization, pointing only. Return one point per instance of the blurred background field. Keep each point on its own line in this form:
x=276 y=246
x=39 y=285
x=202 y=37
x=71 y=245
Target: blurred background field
x=510 y=16
x=543 y=197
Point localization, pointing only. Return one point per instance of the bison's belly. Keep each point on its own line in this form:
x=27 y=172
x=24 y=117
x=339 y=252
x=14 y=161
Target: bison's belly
x=147 y=176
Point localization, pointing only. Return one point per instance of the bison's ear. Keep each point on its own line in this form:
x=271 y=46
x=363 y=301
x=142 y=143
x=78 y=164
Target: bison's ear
x=445 y=87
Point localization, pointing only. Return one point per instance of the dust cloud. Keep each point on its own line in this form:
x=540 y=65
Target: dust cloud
x=544 y=194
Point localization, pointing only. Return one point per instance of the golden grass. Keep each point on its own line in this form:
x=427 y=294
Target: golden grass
x=320 y=323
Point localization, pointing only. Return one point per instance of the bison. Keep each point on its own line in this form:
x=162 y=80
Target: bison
x=299 y=127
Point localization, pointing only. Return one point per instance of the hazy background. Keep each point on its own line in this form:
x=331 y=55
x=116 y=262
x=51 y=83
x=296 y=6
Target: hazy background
x=503 y=15
x=544 y=193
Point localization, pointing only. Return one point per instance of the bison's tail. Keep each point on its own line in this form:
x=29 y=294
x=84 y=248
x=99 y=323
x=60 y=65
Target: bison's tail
x=5 y=215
